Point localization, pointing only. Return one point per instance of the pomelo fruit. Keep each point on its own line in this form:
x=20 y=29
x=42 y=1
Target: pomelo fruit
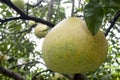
x=70 y=48
x=19 y=3
x=41 y=30
x=31 y=23
x=3 y=57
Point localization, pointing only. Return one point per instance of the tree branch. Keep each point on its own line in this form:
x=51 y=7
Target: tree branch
x=10 y=4
x=9 y=19
x=23 y=16
x=117 y=15
x=11 y=74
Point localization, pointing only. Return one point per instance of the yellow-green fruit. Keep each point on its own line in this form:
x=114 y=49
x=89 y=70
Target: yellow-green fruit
x=3 y=57
x=30 y=22
x=19 y=3
x=70 y=47
x=41 y=30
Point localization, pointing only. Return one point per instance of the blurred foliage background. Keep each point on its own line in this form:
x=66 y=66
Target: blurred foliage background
x=19 y=44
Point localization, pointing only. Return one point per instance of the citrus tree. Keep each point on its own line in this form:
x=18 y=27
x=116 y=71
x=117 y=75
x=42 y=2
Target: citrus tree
x=21 y=54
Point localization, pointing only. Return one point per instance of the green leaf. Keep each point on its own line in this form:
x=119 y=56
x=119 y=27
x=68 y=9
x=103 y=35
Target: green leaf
x=93 y=15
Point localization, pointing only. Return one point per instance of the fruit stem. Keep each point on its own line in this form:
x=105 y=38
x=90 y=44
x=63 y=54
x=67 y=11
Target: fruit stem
x=80 y=77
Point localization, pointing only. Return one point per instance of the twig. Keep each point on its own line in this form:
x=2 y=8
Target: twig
x=9 y=19
x=11 y=74
x=34 y=77
x=26 y=30
x=29 y=63
x=25 y=17
x=117 y=15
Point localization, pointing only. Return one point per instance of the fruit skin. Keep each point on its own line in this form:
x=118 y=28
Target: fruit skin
x=19 y=3
x=41 y=30
x=3 y=57
x=31 y=23
x=70 y=47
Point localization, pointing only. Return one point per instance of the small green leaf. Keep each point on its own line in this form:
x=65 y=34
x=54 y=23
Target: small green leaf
x=93 y=15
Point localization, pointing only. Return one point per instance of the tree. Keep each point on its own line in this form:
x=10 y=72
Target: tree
x=23 y=59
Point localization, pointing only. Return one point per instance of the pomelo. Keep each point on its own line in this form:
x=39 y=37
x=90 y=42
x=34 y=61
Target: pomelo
x=41 y=30
x=19 y=3
x=70 y=47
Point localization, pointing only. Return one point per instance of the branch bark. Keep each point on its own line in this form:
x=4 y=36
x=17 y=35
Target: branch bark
x=11 y=74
